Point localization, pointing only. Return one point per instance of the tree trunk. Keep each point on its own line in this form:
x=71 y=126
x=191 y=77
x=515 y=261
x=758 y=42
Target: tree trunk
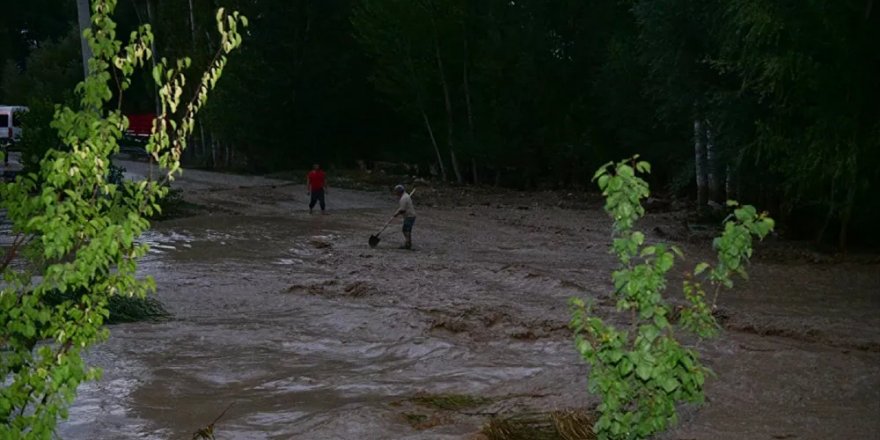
x=415 y=85
x=434 y=143
x=197 y=145
x=712 y=165
x=200 y=152
x=468 y=108
x=84 y=17
x=458 y=177
x=155 y=55
x=844 y=224
x=730 y=184
x=699 y=165
x=846 y=212
x=192 y=25
x=474 y=170
x=213 y=152
x=300 y=56
x=467 y=88
x=832 y=208
x=448 y=103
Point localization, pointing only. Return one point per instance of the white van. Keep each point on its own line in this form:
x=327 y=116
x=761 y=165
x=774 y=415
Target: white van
x=10 y=125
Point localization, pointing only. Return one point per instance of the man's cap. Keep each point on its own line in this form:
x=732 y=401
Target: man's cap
x=399 y=189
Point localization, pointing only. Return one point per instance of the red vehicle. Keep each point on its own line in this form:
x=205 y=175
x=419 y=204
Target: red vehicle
x=140 y=125
x=139 y=128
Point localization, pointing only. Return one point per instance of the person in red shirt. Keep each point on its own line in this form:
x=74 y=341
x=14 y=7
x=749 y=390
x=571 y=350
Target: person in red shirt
x=316 y=185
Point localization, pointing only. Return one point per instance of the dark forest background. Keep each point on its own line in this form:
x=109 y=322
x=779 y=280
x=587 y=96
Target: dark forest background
x=770 y=102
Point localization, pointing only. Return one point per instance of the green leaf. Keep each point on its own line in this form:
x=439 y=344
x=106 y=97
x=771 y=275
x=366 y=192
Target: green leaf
x=638 y=238
x=670 y=384
x=602 y=170
x=660 y=321
x=643 y=371
x=677 y=251
x=615 y=355
x=665 y=262
x=157 y=73
x=700 y=268
x=615 y=183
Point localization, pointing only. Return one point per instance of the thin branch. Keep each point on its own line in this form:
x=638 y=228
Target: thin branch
x=118 y=87
x=13 y=251
x=190 y=113
x=715 y=296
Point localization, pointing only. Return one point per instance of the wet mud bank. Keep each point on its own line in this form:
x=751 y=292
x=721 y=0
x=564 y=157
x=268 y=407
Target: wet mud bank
x=312 y=334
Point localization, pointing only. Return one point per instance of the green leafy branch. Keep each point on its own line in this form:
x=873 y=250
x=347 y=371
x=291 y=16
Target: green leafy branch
x=642 y=372
x=76 y=232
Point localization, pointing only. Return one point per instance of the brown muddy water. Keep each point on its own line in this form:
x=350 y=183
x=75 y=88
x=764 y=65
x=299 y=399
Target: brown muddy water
x=310 y=334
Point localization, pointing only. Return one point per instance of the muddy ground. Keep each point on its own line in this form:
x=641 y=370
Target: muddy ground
x=309 y=333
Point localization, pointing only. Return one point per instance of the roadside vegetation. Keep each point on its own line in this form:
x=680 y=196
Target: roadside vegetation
x=75 y=247
x=643 y=370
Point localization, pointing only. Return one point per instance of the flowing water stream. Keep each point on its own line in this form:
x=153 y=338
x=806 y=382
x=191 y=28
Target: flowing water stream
x=308 y=333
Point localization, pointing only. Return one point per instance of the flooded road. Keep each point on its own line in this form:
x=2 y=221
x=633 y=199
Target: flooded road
x=308 y=333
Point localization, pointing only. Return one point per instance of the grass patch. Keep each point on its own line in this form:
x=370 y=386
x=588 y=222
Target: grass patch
x=556 y=425
x=440 y=408
x=415 y=419
x=133 y=309
x=122 y=308
x=421 y=421
x=174 y=206
x=450 y=402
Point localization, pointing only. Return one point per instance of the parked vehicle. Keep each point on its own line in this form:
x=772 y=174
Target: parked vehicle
x=10 y=133
x=140 y=126
x=10 y=124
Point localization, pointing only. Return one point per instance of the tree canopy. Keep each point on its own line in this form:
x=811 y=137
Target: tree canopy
x=766 y=102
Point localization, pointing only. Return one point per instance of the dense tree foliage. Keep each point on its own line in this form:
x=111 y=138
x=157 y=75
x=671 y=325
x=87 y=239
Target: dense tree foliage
x=767 y=102
x=74 y=228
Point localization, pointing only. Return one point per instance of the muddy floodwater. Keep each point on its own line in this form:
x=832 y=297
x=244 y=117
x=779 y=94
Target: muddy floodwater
x=308 y=333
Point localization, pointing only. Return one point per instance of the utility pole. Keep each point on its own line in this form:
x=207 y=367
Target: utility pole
x=84 y=14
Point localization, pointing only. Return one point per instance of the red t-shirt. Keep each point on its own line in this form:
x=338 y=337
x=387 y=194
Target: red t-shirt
x=316 y=179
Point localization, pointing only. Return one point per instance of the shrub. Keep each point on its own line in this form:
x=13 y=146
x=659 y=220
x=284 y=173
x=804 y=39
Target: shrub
x=75 y=232
x=642 y=371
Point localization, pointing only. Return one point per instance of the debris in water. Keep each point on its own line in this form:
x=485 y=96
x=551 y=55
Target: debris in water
x=207 y=433
x=557 y=425
x=360 y=288
x=450 y=402
x=421 y=421
x=321 y=241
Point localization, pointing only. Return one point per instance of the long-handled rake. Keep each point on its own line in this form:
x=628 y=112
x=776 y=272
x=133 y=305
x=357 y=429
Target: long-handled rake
x=374 y=239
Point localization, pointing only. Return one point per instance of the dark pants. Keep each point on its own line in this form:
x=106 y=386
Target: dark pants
x=317 y=196
x=408 y=223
